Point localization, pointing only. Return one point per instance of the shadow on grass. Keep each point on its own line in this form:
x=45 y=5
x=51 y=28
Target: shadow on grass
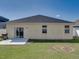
x=53 y=41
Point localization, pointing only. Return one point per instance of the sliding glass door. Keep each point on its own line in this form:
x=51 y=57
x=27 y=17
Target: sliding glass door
x=20 y=32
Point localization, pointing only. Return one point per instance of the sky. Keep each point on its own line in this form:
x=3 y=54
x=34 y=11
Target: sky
x=62 y=9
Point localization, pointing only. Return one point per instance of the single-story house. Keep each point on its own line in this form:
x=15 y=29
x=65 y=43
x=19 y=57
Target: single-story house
x=76 y=28
x=3 y=22
x=40 y=27
x=2 y=28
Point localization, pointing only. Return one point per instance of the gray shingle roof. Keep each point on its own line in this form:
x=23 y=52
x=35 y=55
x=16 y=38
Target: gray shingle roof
x=40 y=19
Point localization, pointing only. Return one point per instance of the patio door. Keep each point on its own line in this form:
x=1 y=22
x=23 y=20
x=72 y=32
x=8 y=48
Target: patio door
x=20 y=32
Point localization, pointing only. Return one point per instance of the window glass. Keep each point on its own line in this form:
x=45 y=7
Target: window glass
x=67 y=31
x=44 y=30
x=44 y=26
x=66 y=26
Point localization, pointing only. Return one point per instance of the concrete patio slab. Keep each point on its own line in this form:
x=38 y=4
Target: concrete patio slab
x=15 y=41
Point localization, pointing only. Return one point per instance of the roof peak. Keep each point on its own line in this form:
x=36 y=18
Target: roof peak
x=39 y=15
x=41 y=19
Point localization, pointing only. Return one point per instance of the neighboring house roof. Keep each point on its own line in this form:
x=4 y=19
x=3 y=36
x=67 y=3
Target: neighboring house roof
x=40 y=19
x=75 y=26
x=3 y=19
x=76 y=23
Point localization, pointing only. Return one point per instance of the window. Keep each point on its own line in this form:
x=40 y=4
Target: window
x=44 y=29
x=44 y=26
x=67 y=29
x=66 y=26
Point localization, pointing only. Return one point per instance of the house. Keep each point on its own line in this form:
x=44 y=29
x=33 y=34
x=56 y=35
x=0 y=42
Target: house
x=3 y=21
x=2 y=28
x=40 y=27
x=76 y=28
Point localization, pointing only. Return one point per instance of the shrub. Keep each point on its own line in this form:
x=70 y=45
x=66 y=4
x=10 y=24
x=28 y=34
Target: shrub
x=76 y=38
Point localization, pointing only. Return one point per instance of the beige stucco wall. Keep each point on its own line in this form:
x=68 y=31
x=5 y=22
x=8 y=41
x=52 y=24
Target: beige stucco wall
x=34 y=30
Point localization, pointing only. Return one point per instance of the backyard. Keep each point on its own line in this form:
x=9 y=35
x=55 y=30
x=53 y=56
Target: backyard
x=39 y=50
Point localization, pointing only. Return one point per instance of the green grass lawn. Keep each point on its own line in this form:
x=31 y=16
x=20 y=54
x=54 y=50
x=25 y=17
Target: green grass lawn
x=41 y=51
